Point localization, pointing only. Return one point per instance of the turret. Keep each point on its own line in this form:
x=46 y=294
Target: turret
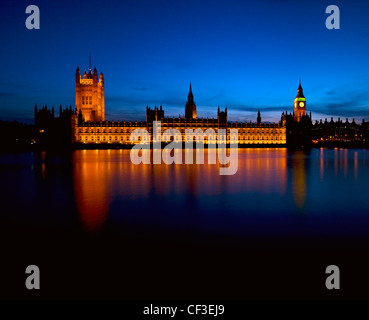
x=283 y=119
x=78 y=75
x=190 y=108
x=222 y=117
x=94 y=75
x=258 y=119
x=190 y=95
x=80 y=116
x=101 y=77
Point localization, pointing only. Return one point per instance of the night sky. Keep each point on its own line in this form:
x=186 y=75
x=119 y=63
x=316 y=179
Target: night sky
x=241 y=54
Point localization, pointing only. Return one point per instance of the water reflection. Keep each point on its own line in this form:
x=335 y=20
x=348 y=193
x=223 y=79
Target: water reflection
x=321 y=164
x=90 y=176
x=261 y=170
x=273 y=182
x=100 y=176
x=299 y=178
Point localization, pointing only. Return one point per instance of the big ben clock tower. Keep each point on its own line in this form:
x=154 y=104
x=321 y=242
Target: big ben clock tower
x=300 y=104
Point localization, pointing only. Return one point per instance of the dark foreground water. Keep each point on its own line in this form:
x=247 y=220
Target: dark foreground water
x=99 y=226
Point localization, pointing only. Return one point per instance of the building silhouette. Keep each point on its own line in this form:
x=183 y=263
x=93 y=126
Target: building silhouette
x=52 y=130
x=190 y=108
x=85 y=124
x=154 y=114
x=340 y=132
x=298 y=124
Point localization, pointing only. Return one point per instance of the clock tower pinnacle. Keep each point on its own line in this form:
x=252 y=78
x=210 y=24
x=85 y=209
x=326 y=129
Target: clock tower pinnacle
x=300 y=104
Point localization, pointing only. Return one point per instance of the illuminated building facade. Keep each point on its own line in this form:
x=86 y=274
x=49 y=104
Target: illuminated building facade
x=90 y=95
x=86 y=123
x=118 y=132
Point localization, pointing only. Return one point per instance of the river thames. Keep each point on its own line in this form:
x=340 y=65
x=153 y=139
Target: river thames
x=169 y=230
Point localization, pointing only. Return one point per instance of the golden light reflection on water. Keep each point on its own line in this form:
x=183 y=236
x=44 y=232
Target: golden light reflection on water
x=299 y=178
x=90 y=176
x=102 y=175
x=259 y=169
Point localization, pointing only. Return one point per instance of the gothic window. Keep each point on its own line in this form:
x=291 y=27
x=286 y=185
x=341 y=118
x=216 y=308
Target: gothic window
x=83 y=99
x=90 y=100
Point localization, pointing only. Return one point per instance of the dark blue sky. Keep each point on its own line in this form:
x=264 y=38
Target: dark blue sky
x=241 y=54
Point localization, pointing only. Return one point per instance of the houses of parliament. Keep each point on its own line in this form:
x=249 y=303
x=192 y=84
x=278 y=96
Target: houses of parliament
x=85 y=124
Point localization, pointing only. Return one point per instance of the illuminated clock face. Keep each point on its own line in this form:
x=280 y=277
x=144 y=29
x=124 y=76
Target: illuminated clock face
x=301 y=104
